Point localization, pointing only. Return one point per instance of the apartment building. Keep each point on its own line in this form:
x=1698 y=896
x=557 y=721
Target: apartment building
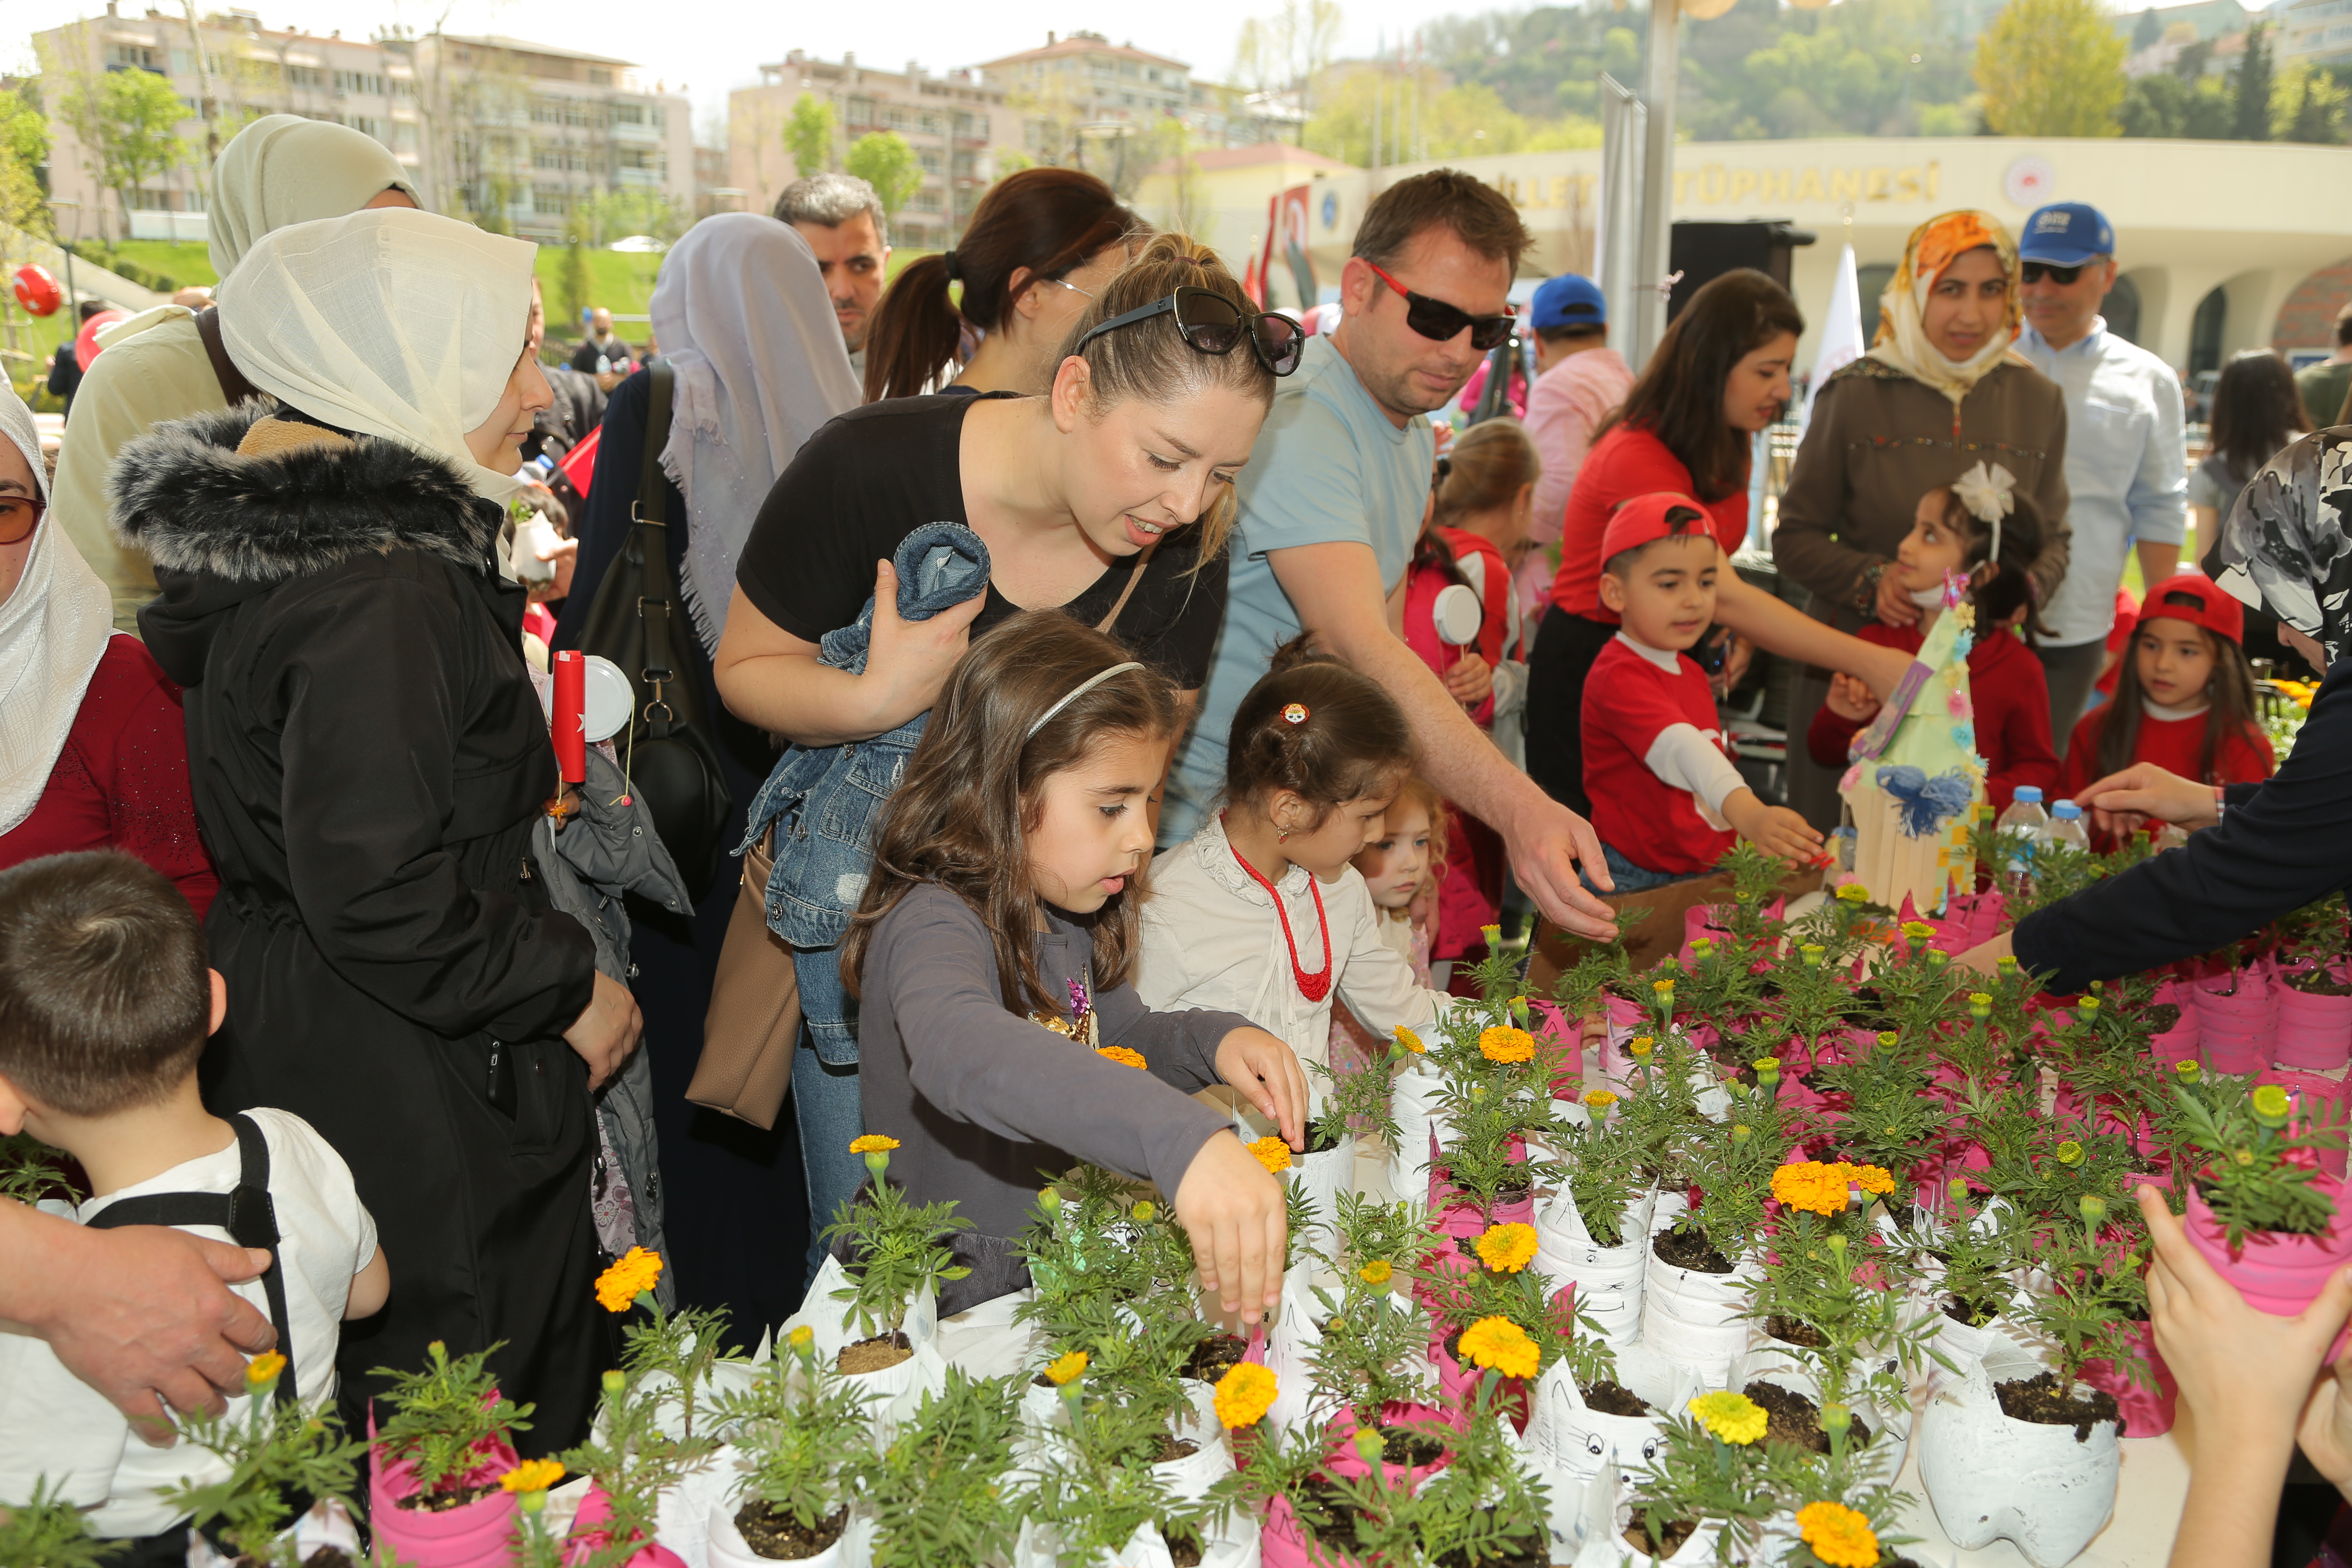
x=2316 y=32
x=509 y=133
x=954 y=122
x=1084 y=87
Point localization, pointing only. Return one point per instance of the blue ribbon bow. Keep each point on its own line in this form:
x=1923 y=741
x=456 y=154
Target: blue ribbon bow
x=1928 y=803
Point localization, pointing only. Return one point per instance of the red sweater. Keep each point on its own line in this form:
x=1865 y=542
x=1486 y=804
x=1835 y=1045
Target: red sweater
x=2011 y=697
x=122 y=781
x=1625 y=463
x=2172 y=744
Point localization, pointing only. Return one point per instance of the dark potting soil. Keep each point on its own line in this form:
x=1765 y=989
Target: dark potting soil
x=1166 y=1449
x=1404 y=1445
x=2319 y=982
x=1794 y=1331
x=1637 y=1536
x=1533 y=1550
x=325 y=1557
x=1971 y=1312
x=874 y=1354
x=779 y=1537
x=1215 y=1356
x=442 y=1503
x=1323 y=1135
x=1613 y=1399
x=1515 y=1192
x=1183 y=1546
x=2040 y=1400
x=2162 y=1017
x=1330 y=1501
x=1690 y=1249
x=1790 y=1417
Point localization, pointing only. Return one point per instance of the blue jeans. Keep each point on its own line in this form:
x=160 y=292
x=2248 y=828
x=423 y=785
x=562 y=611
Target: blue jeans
x=825 y=1102
x=1630 y=877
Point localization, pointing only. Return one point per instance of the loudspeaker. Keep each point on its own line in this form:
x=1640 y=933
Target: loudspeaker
x=1703 y=251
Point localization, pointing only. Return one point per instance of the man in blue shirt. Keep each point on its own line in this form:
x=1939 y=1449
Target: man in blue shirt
x=1332 y=503
x=2127 y=465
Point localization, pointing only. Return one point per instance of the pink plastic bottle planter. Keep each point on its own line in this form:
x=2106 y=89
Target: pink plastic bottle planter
x=479 y=1534
x=2183 y=1041
x=2319 y=1102
x=2239 y=1029
x=1283 y=1544
x=586 y=1538
x=2313 y=1032
x=1424 y=1420
x=2146 y=1413
x=1457 y=1385
x=2279 y=1274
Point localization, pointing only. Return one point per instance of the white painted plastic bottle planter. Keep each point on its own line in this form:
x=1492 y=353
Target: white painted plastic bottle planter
x=1413 y=1101
x=1567 y=1436
x=1890 y=1433
x=727 y=1549
x=1322 y=1177
x=1992 y=1478
x=1607 y=1279
x=893 y=1391
x=1694 y=1319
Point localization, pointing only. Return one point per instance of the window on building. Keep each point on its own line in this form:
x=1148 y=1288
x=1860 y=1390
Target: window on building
x=628 y=114
x=551 y=201
x=366 y=125
x=305 y=76
x=637 y=158
x=368 y=82
x=660 y=117
x=925 y=201
x=598 y=76
x=137 y=56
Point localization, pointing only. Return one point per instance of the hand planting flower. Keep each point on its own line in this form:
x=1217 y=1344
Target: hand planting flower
x=1501 y=1346
x=1507 y=1248
x=531 y=1475
x=1243 y=1396
x=1839 y=1536
x=1272 y=1153
x=630 y=1279
x=1731 y=1417
x=1124 y=1056
x=1504 y=1044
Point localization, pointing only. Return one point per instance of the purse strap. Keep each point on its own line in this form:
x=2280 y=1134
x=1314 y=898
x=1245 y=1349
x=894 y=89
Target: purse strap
x=656 y=604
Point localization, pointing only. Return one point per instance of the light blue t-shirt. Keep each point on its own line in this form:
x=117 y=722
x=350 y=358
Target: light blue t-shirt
x=1327 y=469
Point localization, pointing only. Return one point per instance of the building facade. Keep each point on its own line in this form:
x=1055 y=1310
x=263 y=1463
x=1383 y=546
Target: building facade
x=954 y=120
x=2316 y=32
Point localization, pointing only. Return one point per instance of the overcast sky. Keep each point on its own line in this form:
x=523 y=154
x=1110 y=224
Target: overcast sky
x=714 y=45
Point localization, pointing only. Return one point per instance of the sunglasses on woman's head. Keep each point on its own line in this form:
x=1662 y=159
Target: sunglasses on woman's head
x=1211 y=324
x=1445 y=322
x=19 y=515
x=2034 y=271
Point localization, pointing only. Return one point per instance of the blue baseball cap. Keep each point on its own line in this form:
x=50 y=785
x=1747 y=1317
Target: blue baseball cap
x=1568 y=301
x=2066 y=234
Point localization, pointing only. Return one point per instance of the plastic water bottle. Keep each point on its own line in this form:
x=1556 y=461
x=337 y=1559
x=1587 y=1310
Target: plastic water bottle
x=2029 y=825
x=2066 y=826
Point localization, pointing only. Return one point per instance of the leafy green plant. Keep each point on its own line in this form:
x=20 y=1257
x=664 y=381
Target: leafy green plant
x=30 y=1170
x=1361 y=1100
x=1485 y=1120
x=445 y=1417
x=939 y=1491
x=2087 y=1313
x=1482 y=1508
x=1978 y=1248
x=799 y=1424
x=632 y=1459
x=897 y=1247
x=275 y=1454
x=1372 y=1341
x=684 y=1345
x=1605 y=1172
x=1089 y=1253
x=47 y=1531
x=1371 y=1231
x=2259 y=1173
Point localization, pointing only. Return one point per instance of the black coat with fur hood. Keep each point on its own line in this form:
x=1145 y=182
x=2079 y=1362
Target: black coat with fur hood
x=369 y=759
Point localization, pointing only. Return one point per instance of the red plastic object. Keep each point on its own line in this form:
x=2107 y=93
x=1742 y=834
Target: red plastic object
x=579 y=465
x=37 y=291
x=565 y=724
x=86 y=341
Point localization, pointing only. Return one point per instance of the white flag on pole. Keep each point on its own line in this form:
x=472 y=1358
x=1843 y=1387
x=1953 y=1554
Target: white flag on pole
x=1841 y=340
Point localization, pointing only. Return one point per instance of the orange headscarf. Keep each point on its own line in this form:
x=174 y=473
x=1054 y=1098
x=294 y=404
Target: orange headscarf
x=1902 y=339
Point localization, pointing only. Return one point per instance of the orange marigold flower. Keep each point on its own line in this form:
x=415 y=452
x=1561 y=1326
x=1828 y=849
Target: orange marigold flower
x=1124 y=1056
x=1243 y=1395
x=531 y=1475
x=262 y=1370
x=1272 y=1153
x=1507 y=1248
x=1504 y=1044
x=1500 y=1345
x=1377 y=1272
x=873 y=1143
x=1064 y=1370
x=1811 y=1185
x=1872 y=1179
x=631 y=1276
x=1838 y=1535
x=1411 y=1041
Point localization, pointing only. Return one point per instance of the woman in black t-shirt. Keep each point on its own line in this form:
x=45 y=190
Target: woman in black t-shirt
x=1087 y=499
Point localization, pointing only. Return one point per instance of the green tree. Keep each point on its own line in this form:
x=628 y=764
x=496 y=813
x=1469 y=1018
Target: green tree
x=2308 y=104
x=2164 y=105
x=2052 y=68
x=809 y=135
x=24 y=157
x=2149 y=31
x=884 y=161
x=2251 y=88
x=129 y=124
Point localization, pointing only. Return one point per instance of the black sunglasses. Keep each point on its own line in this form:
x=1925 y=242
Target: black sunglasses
x=2034 y=271
x=1436 y=318
x=1213 y=324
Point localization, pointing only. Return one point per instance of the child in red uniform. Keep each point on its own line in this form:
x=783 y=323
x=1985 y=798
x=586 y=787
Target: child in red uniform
x=1667 y=800
x=2185 y=701
x=1953 y=531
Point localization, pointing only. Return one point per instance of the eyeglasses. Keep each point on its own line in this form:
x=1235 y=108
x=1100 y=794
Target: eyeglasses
x=1445 y=322
x=2034 y=271
x=19 y=515
x=1072 y=287
x=1211 y=324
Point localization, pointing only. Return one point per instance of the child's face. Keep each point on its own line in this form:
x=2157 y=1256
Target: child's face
x=2175 y=661
x=1394 y=863
x=1093 y=833
x=1931 y=548
x=1347 y=827
x=1667 y=597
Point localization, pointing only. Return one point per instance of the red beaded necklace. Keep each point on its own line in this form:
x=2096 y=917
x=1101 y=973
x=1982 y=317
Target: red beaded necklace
x=1316 y=987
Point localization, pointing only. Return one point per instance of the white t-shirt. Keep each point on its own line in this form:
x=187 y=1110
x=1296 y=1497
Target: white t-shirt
x=53 y=1424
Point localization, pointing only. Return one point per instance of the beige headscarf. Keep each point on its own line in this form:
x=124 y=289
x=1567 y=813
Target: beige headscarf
x=391 y=322
x=1902 y=339
x=53 y=629
x=283 y=169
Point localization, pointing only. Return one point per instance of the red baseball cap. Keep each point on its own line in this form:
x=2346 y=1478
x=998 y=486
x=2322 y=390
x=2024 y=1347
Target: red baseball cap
x=2195 y=599
x=1647 y=519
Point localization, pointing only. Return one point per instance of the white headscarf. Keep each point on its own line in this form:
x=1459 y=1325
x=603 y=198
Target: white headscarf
x=395 y=324
x=52 y=627
x=742 y=315
x=283 y=169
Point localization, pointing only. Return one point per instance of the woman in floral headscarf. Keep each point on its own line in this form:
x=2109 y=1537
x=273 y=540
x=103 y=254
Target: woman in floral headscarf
x=1941 y=389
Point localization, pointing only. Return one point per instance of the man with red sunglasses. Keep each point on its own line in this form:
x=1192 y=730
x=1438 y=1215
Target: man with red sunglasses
x=1331 y=504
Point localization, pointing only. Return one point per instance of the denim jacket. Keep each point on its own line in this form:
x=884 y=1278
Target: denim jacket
x=824 y=801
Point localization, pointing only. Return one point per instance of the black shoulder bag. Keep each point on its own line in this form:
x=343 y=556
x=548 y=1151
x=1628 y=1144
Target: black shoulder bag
x=667 y=750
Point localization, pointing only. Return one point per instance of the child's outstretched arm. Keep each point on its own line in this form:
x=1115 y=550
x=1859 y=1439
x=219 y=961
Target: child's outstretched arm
x=1774 y=829
x=1687 y=760
x=1267 y=1073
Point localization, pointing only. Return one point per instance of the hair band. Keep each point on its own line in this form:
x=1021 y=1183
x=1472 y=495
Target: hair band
x=955 y=267
x=1080 y=689
x=1989 y=492
x=1294 y=713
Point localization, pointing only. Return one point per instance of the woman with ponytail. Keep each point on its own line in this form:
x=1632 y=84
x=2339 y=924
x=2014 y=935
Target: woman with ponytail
x=1042 y=245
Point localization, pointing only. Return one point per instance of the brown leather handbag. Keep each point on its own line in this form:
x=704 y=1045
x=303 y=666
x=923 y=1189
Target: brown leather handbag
x=754 y=1021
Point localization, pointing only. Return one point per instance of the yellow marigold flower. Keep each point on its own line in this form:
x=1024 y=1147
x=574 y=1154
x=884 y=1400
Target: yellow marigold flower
x=1411 y=1041
x=1243 y=1395
x=1146 y=1212
x=1504 y=1044
x=1918 y=930
x=1872 y=1179
x=1663 y=987
x=2271 y=1105
x=1066 y=1369
x=873 y=1143
x=800 y=1338
x=1888 y=1038
x=630 y=1277
x=2070 y=1153
x=1601 y=1099
x=2189 y=1071
x=1641 y=1046
x=531 y=1475
x=1811 y=1185
x=1507 y=1249
x=1376 y=1272
x=262 y=1370
x=1854 y=893
x=1732 y=1417
x=1272 y=1153
x=1838 y=1535
x=1500 y=1345
x=1124 y=1056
